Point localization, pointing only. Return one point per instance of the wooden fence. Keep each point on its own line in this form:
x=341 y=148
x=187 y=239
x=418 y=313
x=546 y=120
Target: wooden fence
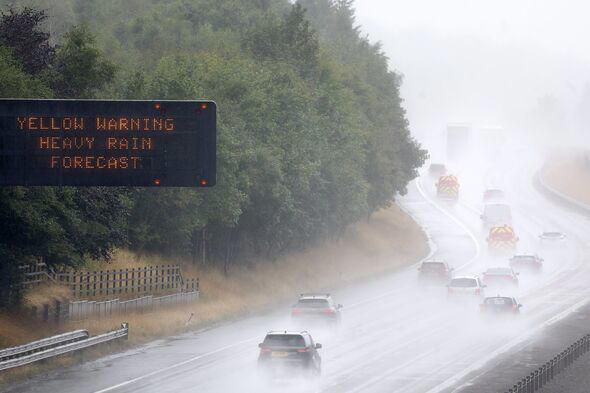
x=147 y=280
x=151 y=279
x=35 y=274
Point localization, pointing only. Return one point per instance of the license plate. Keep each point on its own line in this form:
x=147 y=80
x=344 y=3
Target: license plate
x=280 y=354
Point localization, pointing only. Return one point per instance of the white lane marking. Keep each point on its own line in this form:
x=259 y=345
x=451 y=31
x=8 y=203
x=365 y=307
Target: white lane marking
x=176 y=365
x=384 y=375
x=407 y=343
x=470 y=208
x=159 y=371
x=481 y=362
x=455 y=220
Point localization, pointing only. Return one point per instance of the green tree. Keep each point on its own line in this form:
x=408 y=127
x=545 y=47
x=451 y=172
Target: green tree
x=21 y=31
x=80 y=70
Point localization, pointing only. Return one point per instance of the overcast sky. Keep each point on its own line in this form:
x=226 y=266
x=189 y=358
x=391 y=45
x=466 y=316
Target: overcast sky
x=482 y=61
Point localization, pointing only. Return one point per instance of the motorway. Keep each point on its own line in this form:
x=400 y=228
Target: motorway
x=397 y=335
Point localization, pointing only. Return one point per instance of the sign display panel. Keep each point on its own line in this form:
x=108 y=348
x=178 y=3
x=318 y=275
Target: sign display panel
x=107 y=143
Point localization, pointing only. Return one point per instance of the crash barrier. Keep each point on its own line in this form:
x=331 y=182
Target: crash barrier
x=43 y=344
x=544 y=374
x=149 y=279
x=81 y=310
x=67 y=347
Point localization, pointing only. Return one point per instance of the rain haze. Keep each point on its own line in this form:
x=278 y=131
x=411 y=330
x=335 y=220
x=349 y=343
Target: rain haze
x=336 y=196
x=499 y=62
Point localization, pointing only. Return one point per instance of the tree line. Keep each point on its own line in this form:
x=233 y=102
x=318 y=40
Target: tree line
x=312 y=135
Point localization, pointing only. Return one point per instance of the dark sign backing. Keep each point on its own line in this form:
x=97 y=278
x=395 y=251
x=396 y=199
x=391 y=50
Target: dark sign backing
x=107 y=143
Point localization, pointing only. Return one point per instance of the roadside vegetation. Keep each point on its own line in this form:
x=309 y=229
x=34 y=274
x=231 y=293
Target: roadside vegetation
x=569 y=173
x=312 y=136
x=390 y=241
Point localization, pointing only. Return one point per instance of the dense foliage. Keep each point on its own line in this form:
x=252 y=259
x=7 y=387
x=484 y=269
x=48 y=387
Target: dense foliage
x=312 y=135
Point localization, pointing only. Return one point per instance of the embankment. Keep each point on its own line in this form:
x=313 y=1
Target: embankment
x=390 y=240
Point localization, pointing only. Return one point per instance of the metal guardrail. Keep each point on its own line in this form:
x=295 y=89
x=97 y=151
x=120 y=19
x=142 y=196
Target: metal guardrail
x=43 y=344
x=67 y=348
x=544 y=374
x=85 y=309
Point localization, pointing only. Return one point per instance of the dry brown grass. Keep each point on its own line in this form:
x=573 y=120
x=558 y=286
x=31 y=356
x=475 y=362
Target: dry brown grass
x=389 y=241
x=46 y=293
x=569 y=173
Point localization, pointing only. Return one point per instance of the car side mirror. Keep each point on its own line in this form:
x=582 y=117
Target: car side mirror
x=484 y=286
x=340 y=306
x=517 y=273
x=487 y=239
x=520 y=305
x=517 y=238
x=260 y=345
x=419 y=268
x=318 y=346
x=451 y=269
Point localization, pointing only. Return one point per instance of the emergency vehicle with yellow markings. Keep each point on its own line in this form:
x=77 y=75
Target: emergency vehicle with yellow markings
x=447 y=187
x=502 y=239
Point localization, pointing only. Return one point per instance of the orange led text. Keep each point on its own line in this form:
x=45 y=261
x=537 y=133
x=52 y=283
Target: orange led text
x=95 y=162
x=134 y=124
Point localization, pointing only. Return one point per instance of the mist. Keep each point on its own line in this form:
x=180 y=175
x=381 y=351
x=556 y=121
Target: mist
x=521 y=65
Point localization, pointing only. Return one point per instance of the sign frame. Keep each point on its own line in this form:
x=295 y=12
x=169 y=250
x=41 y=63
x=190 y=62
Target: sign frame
x=118 y=143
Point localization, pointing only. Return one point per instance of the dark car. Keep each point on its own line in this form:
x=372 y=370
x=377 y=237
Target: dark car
x=500 y=276
x=493 y=194
x=500 y=305
x=437 y=169
x=435 y=270
x=289 y=354
x=316 y=307
x=526 y=263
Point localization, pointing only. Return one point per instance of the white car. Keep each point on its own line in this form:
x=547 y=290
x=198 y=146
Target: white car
x=550 y=237
x=466 y=286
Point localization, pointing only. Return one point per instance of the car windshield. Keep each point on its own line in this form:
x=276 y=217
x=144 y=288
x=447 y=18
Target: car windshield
x=552 y=234
x=429 y=266
x=497 y=212
x=313 y=303
x=494 y=194
x=499 y=301
x=499 y=271
x=284 y=340
x=524 y=258
x=464 y=282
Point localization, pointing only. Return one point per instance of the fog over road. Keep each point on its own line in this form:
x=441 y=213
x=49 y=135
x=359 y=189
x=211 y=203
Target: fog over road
x=396 y=334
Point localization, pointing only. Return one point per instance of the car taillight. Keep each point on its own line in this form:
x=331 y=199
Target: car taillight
x=264 y=350
x=296 y=311
x=303 y=350
x=477 y=291
x=329 y=310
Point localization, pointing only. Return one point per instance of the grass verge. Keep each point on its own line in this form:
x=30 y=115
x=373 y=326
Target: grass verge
x=569 y=173
x=391 y=240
